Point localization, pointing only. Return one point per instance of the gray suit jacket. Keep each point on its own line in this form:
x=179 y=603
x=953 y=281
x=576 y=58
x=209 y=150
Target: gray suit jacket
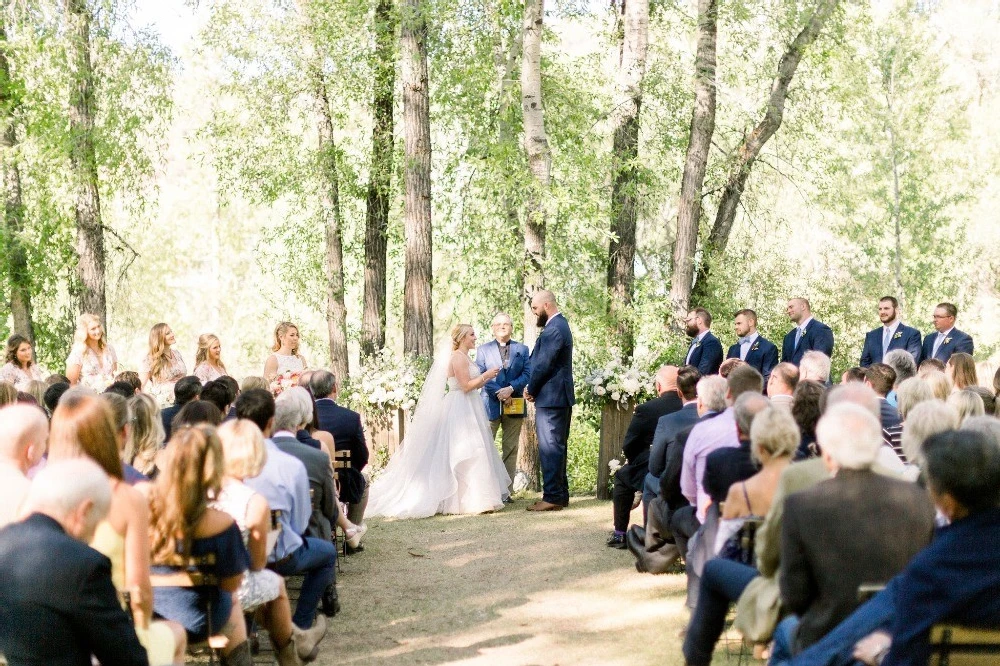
x=324 y=501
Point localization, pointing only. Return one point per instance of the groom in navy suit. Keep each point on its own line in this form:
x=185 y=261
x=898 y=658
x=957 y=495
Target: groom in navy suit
x=550 y=388
x=893 y=334
x=515 y=368
x=705 y=352
x=809 y=334
x=758 y=352
x=946 y=339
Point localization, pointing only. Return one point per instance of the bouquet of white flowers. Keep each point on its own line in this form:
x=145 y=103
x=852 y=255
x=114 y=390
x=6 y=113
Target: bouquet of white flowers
x=614 y=382
x=388 y=382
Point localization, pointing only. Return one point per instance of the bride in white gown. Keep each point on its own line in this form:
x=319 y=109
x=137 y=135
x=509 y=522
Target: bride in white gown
x=447 y=462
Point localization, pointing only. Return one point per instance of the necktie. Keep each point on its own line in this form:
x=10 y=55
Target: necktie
x=798 y=336
x=687 y=359
x=937 y=344
x=885 y=341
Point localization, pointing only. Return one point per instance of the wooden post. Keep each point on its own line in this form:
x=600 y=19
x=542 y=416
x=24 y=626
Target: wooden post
x=614 y=422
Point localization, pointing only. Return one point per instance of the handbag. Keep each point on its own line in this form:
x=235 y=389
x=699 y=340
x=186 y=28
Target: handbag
x=758 y=609
x=516 y=407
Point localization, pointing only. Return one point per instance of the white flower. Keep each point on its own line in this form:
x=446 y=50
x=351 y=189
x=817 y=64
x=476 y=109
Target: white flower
x=616 y=396
x=600 y=390
x=631 y=385
x=614 y=465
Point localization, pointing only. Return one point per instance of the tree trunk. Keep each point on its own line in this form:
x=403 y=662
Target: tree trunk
x=625 y=169
x=17 y=262
x=536 y=145
x=749 y=150
x=89 y=230
x=696 y=162
x=379 y=181
x=418 y=331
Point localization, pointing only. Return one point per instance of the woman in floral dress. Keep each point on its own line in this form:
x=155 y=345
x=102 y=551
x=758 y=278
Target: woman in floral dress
x=92 y=361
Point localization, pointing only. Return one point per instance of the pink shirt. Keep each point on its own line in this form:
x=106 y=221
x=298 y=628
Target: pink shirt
x=715 y=433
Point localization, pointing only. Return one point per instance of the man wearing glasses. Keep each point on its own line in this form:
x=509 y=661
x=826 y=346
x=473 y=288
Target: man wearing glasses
x=946 y=339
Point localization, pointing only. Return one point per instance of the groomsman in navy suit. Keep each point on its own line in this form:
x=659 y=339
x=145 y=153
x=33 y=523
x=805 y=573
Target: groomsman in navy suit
x=758 y=352
x=946 y=339
x=705 y=352
x=512 y=360
x=893 y=334
x=809 y=334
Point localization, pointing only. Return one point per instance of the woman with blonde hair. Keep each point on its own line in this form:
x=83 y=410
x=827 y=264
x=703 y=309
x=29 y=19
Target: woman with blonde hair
x=208 y=365
x=286 y=357
x=92 y=361
x=20 y=369
x=145 y=438
x=162 y=366
x=8 y=394
x=961 y=370
x=447 y=462
x=940 y=384
x=83 y=426
x=967 y=403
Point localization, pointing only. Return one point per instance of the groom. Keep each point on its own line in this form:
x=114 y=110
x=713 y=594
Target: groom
x=550 y=388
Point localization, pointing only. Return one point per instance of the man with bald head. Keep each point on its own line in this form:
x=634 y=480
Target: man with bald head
x=638 y=440
x=23 y=433
x=809 y=334
x=551 y=390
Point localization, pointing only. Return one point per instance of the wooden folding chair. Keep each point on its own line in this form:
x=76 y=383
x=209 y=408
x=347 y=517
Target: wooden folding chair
x=954 y=645
x=341 y=460
x=193 y=574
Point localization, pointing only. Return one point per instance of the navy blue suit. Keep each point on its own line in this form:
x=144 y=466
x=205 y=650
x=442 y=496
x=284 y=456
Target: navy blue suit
x=551 y=386
x=762 y=356
x=514 y=375
x=818 y=337
x=905 y=337
x=706 y=354
x=955 y=341
x=345 y=427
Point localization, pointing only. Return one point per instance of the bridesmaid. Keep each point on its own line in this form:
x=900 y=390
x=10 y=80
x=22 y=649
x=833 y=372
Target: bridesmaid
x=162 y=366
x=92 y=361
x=286 y=355
x=208 y=359
x=21 y=368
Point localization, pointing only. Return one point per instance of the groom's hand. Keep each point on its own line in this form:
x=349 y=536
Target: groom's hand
x=528 y=396
x=504 y=394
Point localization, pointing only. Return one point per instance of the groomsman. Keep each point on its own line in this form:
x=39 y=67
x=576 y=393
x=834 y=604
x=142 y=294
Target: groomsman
x=809 y=334
x=893 y=334
x=705 y=352
x=512 y=360
x=946 y=340
x=755 y=350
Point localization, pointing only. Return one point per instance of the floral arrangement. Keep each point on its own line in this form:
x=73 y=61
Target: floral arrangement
x=163 y=394
x=614 y=382
x=388 y=382
x=285 y=380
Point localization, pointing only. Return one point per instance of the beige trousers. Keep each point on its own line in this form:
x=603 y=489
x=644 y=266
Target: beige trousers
x=511 y=426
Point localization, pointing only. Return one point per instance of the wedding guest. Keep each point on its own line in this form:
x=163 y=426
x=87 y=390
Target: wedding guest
x=961 y=370
x=856 y=374
x=217 y=393
x=21 y=367
x=925 y=419
x=286 y=357
x=56 y=379
x=124 y=389
x=781 y=385
x=806 y=410
x=253 y=382
x=92 y=361
x=36 y=390
x=163 y=366
x=909 y=394
x=728 y=466
x=881 y=378
x=62 y=615
x=669 y=426
x=808 y=334
x=904 y=365
x=729 y=365
x=131 y=378
x=967 y=403
x=233 y=392
x=929 y=365
x=23 y=434
x=197 y=412
x=145 y=438
x=939 y=383
x=186 y=389
x=121 y=415
x=989 y=400
x=946 y=339
x=8 y=394
x=815 y=366
x=348 y=435
x=208 y=364
x=52 y=395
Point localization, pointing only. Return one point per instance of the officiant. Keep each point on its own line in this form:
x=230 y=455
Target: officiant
x=502 y=396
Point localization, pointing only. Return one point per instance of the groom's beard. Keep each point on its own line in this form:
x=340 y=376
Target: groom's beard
x=542 y=319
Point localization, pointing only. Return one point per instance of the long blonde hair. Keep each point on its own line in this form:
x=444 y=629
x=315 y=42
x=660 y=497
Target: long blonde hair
x=458 y=334
x=159 y=350
x=83 y=324
x=146 y=434
x=279 y=331
x=205 y=342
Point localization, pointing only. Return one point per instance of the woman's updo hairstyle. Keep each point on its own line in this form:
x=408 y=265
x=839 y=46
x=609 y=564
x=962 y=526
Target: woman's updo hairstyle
x=458 y=334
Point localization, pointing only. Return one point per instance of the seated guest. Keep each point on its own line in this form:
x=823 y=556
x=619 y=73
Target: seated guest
x=929 y=365
x=8 y=394
x=61 y=615
x=121 y=415
x=961 y=370
x=815 y=366
x=939 y=383
x=145 y=437
x=928 y=418
x=348 y=435
x=284 y=483
x=781 y=385
x=668 y=426
x=904 y=365
x=244 y=455
x=873 y=526
x=23 y=434
x=774 y=437
x=197 y=412
x=806 y=412
x=856 y=374
x=989 y=400
x=253 y=382
x=131 y=378
x=56 y=379
x=185 y=390
x=36 y=390
x=123 y=389
x=183 y=525
x=232 y=392
x=881 y=378
x=628 y=480
x=729 y=465
x=729 y=365
x=217 y=393
x=52 y=395
x=909 y=394
x=967 y=403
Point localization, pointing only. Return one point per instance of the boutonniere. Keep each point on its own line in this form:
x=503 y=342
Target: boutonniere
x=946 y=341
x=898 y=335
x=756 y=345
x=697 y=343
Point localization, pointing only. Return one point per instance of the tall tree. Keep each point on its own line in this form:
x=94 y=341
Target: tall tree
x=379 y=179
x=418 y=326
x=17 y=263
x=89 y=228
x=696 y=162
x=633 y=49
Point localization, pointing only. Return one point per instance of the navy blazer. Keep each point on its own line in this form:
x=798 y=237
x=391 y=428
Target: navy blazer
x=818 y=337
x=667 y=428
x=345 y=426
x=57 y=603
x=706 y=355
x=515 y=375
x=905 y=337
x=762 y=356
x=551 y=380
x=956 y=341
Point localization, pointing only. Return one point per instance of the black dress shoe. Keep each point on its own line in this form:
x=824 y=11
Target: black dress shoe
x=617 y=541
x=640 y=534
x=331 y=604
x=508 y=500
x=635 y=545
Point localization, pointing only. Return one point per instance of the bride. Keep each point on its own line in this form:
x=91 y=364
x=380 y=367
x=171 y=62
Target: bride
x=447 y=462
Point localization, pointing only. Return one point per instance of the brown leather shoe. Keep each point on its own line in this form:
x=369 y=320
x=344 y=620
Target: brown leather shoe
x=542 y=505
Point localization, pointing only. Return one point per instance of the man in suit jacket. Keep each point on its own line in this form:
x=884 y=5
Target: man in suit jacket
x=705 y=352
x=872 y=527
x=668 y=427
x=551 y=389
x=946 y=339
x=515 y=368
x=348 y=435
x=186 y=390
x=638 y=439
x=58 y=605
x=892 y=334
x=881 y=378
x=729 y=465
x=751 y=348
x=809 y=334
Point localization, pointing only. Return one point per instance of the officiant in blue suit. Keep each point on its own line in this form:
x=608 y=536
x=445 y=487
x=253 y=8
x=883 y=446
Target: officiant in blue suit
x=892 y=334
x=758 y=352
x=809 y=334
x=502 y=395
x=705 y=352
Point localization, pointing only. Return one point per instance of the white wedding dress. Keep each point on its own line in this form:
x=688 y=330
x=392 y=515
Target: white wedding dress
x=447 y=462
